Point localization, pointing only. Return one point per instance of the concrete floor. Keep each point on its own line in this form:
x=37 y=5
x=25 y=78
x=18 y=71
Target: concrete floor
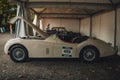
x=57 y=69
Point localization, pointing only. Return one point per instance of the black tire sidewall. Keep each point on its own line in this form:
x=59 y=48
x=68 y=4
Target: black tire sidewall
x=11 y=53
x=85 y=49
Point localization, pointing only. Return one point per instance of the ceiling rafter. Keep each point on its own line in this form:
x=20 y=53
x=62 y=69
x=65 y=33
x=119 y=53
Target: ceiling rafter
x=65 y=4
x=78 y=9
x=34 y=11
x=111 y=1
x=118 y=4
x=63 y=16
x=115 y=5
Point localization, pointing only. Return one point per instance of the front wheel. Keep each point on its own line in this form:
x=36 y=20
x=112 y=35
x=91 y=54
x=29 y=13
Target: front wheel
x=18 y=53
x=89 y=54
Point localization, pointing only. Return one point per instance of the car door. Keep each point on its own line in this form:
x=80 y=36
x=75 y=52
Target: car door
x=39 y=48
x=64 y=49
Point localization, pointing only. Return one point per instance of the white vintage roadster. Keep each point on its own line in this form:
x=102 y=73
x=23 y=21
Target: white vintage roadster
x=54 y=46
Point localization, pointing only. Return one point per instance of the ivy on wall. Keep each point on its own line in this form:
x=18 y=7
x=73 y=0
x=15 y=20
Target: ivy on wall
x=7 y=10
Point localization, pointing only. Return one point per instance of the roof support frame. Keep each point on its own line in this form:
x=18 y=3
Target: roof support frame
x=65 y=4
x=71 y=5
x=62 y=15
x=91 y=26
x=115 y=26
x=111 y=1
x=115 y=30
x=34 y=11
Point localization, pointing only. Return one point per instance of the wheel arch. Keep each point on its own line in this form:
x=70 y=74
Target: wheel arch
x=11 y=47
x=89 y=46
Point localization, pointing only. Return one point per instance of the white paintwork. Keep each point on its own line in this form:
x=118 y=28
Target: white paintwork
x=52 y=47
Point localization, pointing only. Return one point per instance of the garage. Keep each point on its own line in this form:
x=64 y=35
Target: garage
x=95 y=19
x=92 y=18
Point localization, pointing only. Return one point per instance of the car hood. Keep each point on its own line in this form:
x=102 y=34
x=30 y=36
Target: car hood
x=39 y=31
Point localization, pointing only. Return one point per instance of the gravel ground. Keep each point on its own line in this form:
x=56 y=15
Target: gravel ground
x=57 y=69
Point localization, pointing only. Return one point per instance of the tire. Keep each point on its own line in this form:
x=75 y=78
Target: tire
x=18 y=53
x=89 y=54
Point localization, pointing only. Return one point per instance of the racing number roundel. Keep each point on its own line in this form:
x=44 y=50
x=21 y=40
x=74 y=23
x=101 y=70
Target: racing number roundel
x=67 y=51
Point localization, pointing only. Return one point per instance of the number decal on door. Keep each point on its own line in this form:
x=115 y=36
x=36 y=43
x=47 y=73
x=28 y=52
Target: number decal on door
x=67 y=51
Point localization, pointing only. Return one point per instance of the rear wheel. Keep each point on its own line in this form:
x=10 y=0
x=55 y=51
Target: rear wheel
x=89 y=54
x=18 y=53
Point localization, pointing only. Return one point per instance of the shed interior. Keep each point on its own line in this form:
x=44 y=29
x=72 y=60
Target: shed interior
x=96 y=18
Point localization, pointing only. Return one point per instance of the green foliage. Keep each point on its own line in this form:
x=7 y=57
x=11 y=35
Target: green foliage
x=7 y=10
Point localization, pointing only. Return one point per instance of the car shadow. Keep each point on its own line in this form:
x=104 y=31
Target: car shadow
x=52 y=59
x=110 y=59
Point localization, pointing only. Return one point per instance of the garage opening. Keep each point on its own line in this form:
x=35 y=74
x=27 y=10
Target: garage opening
x=95 y=18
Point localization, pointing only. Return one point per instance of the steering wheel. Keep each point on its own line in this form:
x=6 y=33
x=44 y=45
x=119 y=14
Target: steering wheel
x=62 y=33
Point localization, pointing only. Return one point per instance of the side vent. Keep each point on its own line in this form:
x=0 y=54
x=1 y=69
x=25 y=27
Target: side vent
x=47 y=51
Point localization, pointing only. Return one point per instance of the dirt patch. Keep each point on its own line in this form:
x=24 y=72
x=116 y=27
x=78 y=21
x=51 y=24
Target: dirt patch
x=53 y=69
